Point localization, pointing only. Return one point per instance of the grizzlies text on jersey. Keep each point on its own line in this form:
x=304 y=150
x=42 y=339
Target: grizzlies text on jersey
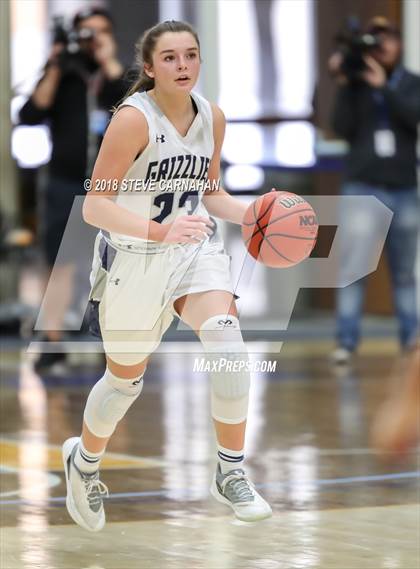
x=169 y=177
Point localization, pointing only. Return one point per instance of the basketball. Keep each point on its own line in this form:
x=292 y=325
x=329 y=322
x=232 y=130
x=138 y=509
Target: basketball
x=279 y=229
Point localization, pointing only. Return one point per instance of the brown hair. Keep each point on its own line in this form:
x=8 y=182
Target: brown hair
x=145 y=47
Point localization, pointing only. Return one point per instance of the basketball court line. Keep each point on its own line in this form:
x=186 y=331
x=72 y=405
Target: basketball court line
x=183 y=492
x=344 y=452
x=51 y=480
x=114 y=461
x=233 y=521
x=9 y=453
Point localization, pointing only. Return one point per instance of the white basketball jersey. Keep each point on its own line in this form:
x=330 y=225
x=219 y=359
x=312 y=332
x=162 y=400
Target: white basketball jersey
x=169 y=177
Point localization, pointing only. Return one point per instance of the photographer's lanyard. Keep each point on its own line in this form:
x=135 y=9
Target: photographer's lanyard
x=383 y=137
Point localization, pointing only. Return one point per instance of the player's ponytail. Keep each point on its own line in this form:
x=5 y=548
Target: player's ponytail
x=146 y=46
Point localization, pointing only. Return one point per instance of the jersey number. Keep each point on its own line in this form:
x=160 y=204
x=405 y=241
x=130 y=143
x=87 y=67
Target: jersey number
x=166 y=202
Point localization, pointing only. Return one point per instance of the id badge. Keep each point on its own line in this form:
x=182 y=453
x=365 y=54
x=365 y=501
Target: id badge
x=98 y=121
x=384 y=143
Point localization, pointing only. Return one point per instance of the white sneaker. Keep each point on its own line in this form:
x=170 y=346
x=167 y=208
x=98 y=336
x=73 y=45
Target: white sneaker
x=341 y=356
x=237 y=491
x=84 y=491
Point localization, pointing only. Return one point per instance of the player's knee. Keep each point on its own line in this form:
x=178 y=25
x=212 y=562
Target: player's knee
x=124 y=368
x=229 y=367
x=222 y=333
x=108 y=402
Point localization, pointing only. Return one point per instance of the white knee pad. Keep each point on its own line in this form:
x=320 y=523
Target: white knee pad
x=230 y=379
x=109 y=401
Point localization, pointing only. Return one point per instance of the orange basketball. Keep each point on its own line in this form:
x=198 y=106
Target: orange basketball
x=280 y=229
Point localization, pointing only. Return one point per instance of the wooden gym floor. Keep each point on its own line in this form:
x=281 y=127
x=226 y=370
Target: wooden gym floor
x=336 y=505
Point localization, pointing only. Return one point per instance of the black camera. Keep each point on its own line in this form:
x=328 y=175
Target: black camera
x=354 y=44
x=70 y=37
x=73 y=57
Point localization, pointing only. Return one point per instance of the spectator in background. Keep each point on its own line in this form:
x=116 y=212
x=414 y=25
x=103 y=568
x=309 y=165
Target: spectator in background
x=80 y=85
x=378 y=113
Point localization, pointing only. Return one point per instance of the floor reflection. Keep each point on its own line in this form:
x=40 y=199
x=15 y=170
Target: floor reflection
x=308 y=452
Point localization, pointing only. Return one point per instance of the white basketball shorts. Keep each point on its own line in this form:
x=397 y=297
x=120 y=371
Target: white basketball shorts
x=134 y=290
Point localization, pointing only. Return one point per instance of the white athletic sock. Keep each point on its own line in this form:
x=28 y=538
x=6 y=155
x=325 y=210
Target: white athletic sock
x=230 y=459
x=85 y=460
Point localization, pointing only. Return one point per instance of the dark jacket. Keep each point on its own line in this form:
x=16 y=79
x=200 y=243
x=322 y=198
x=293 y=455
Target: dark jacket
x=68 y=121
x=360 y=110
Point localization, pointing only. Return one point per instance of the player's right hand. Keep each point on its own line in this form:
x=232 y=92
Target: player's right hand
x=187 y=229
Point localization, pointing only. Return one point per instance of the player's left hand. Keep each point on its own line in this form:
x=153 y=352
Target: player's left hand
x=375 y=74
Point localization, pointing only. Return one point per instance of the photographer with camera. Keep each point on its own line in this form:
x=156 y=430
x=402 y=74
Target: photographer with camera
x=377 y=111
x=82 y=81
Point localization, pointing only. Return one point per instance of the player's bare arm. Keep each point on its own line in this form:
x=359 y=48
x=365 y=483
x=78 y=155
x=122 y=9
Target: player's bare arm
x=127 y=135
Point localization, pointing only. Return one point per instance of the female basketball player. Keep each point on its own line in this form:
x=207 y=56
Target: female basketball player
x=157 y=257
